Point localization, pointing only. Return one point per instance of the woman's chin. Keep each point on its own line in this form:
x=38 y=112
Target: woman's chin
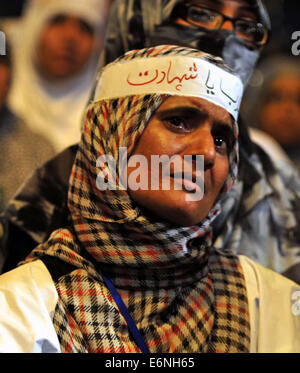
x=173 y=206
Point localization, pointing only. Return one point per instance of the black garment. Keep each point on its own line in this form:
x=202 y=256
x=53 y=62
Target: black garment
x=39 y=208
x=22 y=151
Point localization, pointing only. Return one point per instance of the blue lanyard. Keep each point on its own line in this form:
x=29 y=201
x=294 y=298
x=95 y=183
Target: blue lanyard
x=124 y=311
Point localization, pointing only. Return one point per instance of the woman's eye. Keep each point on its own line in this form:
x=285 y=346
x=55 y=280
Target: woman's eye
x=58 y=19
x=86 y=28
x=202 y=15
x=224 y=139
x=219 y=141
x=222 y=144
x=177 y=123
x=274 y=97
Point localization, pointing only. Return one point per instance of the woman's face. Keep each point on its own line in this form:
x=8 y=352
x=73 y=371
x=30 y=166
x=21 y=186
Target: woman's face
x=64 y=47
x=230 y=8
x=280 y=114
x=185 y=126
x=5 y=76
x=236 y=9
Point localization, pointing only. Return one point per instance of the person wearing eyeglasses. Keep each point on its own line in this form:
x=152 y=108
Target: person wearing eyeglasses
x=259 y=217
x=233 y=29
x=212 y=16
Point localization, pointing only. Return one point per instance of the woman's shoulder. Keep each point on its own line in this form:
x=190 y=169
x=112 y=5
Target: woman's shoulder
x=274 y=307
x=28 y=299
x=268 y=276
x=32 y=275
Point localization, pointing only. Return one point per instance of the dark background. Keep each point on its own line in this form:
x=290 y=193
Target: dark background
x=11 y=8
x=285 y=17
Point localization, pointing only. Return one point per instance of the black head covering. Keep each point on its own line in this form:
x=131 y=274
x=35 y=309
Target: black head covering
x=136 y=24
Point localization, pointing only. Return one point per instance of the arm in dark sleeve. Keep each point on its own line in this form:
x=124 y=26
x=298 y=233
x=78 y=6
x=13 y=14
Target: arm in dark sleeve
x=38 y=208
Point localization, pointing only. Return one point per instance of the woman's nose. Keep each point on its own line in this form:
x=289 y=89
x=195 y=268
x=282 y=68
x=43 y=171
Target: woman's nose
x=70 y=31
x=203 y=143
x=228 y=25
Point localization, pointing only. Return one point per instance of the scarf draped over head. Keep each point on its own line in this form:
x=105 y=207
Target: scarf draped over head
x=183 y=295
x=53 y=109
x=114 y=122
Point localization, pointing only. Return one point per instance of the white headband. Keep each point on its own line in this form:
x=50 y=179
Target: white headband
x=174 y=75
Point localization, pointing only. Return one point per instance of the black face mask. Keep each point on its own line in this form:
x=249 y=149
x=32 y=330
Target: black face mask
x=222 y=43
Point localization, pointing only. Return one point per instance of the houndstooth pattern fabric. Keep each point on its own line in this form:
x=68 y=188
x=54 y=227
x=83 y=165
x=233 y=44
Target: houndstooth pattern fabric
x=68 y=332
x=232 y=323
x=208 y=315
x=181 y=298
x=111 y=124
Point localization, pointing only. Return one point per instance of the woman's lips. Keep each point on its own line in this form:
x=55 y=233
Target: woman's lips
x=189 y=183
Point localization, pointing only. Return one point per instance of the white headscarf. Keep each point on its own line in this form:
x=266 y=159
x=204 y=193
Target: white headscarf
x=53 y=109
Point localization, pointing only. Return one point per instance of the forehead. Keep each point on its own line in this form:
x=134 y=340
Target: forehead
x=286 y=80
x=67 y=17
x=243 y=3
x=213 y=111
x=226 y=5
